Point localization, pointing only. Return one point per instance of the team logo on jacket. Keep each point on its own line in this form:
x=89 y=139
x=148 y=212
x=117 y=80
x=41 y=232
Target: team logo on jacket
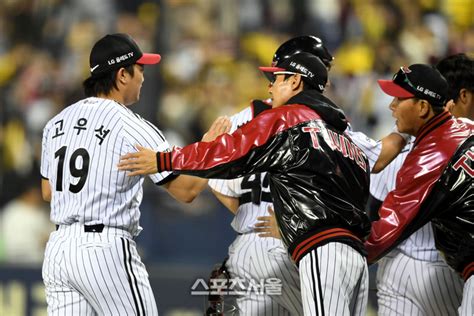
x=462 y=163
x=338 y=142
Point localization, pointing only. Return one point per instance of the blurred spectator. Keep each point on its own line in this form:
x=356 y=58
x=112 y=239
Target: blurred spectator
x=25 y=225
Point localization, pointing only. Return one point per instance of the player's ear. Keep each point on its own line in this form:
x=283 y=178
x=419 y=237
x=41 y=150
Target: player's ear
x=296 y=81
x=121 y=75
x=464 y=95
x=425 y=108
x=450 y=105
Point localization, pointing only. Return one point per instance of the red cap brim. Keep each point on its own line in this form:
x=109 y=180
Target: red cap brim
x=271 y=69
x=149 y=59
x=394 y=90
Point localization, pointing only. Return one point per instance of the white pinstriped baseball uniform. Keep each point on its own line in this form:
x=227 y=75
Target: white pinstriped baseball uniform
x=467 y=305
x=86 y=271
x=340 y=284
x=252 y=257
x=412 y=279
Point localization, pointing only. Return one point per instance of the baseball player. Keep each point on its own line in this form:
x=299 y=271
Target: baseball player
x=434 y=183
x=253 y=259
x=318 y=182
x=413 y=278
x=434 y=288
x=249 y=198
x=91 y=264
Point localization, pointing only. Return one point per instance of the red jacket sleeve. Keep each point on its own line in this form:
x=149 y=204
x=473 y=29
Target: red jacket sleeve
x=400 y=214
x=260 y=145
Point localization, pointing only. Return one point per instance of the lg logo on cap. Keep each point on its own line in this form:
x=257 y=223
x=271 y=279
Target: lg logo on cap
x=119 y=59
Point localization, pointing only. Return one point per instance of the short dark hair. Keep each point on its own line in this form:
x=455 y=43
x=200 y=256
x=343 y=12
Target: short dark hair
x=437 y=109
x=459 y=73
x=103 y=84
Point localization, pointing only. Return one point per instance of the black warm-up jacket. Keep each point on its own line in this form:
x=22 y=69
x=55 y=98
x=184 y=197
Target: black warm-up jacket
x=319 y=179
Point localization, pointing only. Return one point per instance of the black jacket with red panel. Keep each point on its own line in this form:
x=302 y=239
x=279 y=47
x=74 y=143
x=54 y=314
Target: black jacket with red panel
x=319 y=179
x=434 y=183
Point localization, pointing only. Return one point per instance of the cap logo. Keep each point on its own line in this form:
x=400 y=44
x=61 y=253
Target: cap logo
x=302 y=69
x=94 y=68
x=428 y=92
x=406 y=70
x=120 y=59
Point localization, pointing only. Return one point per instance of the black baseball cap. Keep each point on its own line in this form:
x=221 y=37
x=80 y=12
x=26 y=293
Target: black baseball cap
x=307 y=65
x=114 y=51
x=417 y=81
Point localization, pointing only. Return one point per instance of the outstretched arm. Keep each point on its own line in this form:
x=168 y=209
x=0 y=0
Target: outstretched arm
x=230 y=202
x=392 y=145
x=183 y=188
x=380 y=153
x=143 y=162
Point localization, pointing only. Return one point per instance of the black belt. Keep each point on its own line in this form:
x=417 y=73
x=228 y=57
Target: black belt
x=249 y=197
x=98 y=228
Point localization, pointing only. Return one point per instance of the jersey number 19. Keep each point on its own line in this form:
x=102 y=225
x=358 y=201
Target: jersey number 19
x=76 y=172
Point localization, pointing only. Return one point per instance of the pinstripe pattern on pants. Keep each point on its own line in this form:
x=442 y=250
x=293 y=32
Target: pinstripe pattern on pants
x=255 y=258
x=95 y=274
x=334 y=281
x=407 y=286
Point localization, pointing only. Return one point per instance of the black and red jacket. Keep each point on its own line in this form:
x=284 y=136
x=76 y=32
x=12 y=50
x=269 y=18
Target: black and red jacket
x=434 y=183
x=319 y=179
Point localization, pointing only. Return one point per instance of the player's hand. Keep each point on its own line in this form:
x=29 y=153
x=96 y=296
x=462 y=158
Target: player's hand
x=267 y=225
x=140 y=163
x=220 y=126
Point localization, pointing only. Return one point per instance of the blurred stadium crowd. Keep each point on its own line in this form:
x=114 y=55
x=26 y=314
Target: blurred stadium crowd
x=211 y=50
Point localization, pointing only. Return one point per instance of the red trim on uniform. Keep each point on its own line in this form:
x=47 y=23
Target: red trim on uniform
x=162 y=162
x=468 y=271
x=167 y=160
x=421 y=170
x=319 y=238
x=230 y=147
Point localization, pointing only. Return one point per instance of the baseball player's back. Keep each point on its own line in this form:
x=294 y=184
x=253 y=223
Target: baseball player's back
x=91 y=264
x=82 y=146
x=94 y=206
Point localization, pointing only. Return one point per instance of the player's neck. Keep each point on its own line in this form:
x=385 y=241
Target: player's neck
x=114 y=96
